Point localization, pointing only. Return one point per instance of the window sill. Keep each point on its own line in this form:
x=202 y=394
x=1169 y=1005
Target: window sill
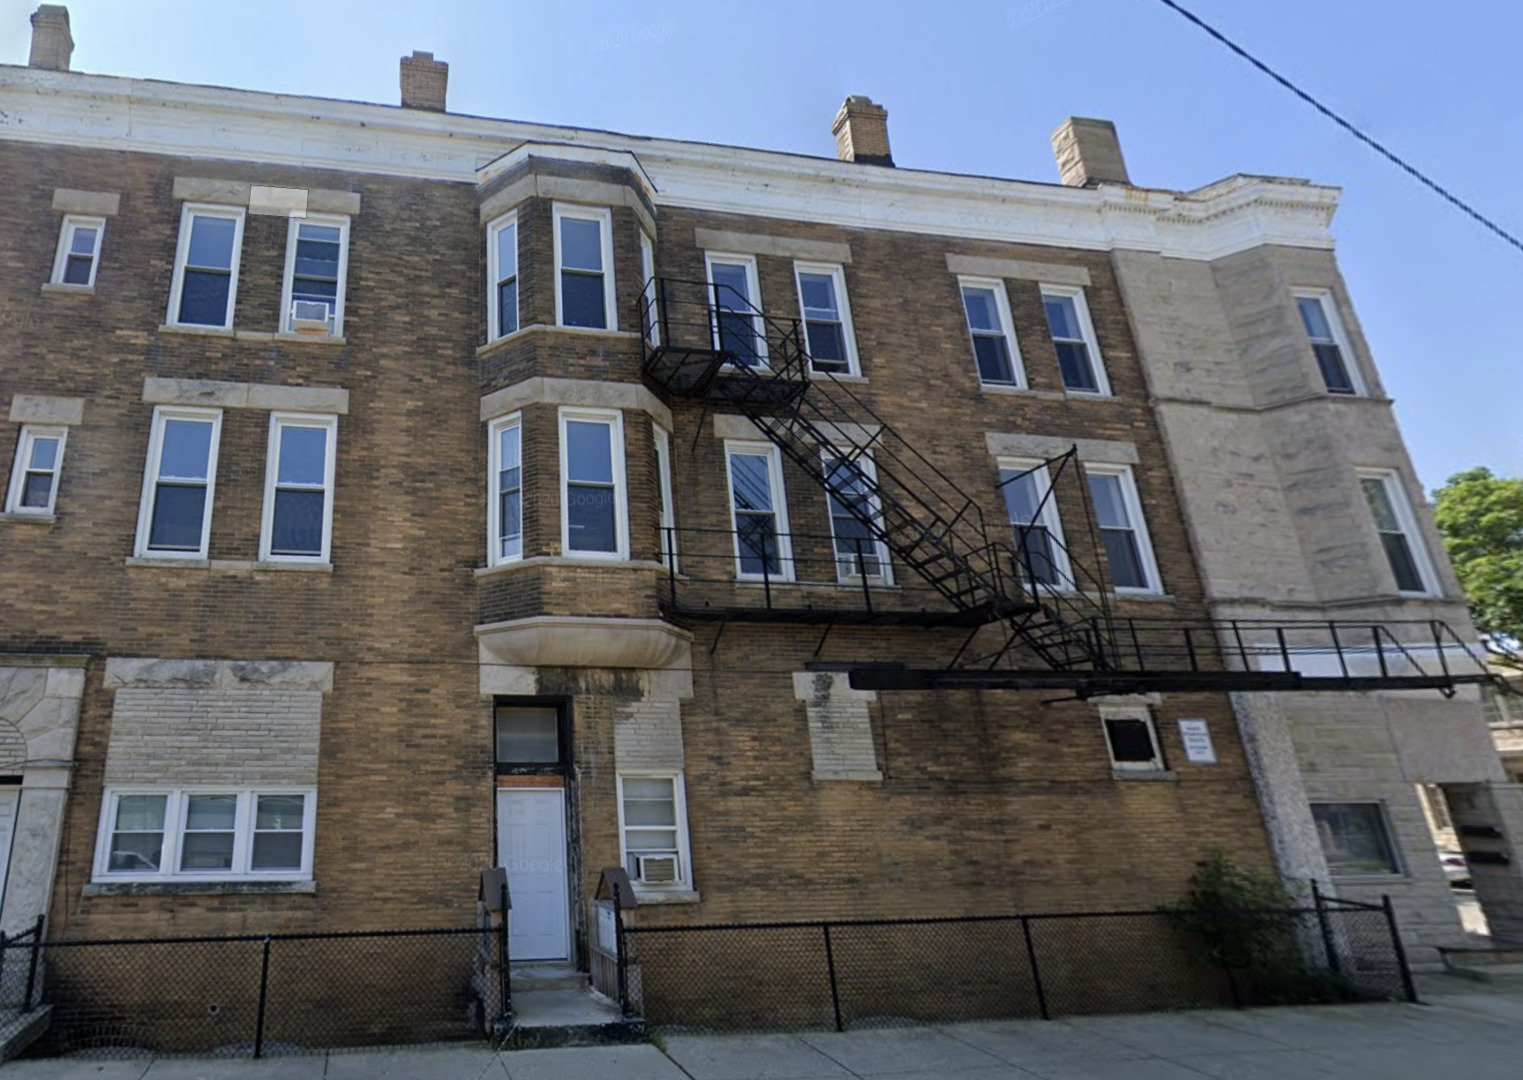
x=566 y=560
x=253 y=335
x=1141 y=597
x=188 y=563
x=650 y=897
x=1165 y=775
x=1020 y=391
x=65 y=289
x=551 y=328
x=781 y=583
x=838 y=376
x=228 y=564
x=199 y=888
x=1370 y=878
x=34 y=519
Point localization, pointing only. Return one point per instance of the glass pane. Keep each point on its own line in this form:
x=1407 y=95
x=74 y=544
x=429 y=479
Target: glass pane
x=827 y=346
x=76 y=269
x=993 y=356
x=211 y=242
x=507 y=252
x=297 y=528
x=732 y=285
x=1354 y=838
x=511 y=522
x=819 y=292
x=1130 y=740
x=303 y=455
x=651 y=839
x=36 y=490
x=1073 y=362
x=738 y=336
x=1062 y=317
x=750 y=482
x=589 y=451
x=315 y=290
x=177 y=517
x=649 y=812
x=647 y=787
x=591 y=518
x=582 y=300
x=211 y=811
x=528 y=735
x=318 y=259
x=83 y=242
x=140 y=812
x=1124 y=559
x=136 y=852
x=1022 y=496
x=44 y=453
x=581 y=244
x=508 y=442
x=207 y=851
x=203 y=297
x=281 y=812
x=1110 y=504
x=327 y=234
x=756 y=540
x=1403 y=565
x=1379 y=500
x=187 y=448
x=1314 y=318
x=1033 y=546
x=277 y=851
x=1334 y=372
x=507 y=307
x=983 y=313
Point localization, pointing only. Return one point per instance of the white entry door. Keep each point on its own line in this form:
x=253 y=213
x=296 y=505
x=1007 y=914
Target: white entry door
x=10 y=797
x=531 y=845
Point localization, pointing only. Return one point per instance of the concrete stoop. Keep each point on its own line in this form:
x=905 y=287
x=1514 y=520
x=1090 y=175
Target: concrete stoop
x=553 y=1005
x=18 y=1029
x=1500 y=965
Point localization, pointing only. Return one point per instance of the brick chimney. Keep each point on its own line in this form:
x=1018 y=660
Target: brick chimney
x=423 y=82
x=52 y=44
x=861 y=131
x=1089 y=153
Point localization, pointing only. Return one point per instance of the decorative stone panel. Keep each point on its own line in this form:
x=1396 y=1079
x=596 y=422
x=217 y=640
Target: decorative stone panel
x=840 y=726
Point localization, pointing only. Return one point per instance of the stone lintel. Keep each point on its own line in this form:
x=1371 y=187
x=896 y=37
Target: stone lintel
x=143 y=672
x=46 y=409
x=93 y=203
x=271 y=199
x=1019 y=269
x=1041 y=447
x=234 y=395
x=787 y=247
x=587 y=393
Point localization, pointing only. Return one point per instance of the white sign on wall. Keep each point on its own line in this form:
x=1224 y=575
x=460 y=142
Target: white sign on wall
x=1197 y=740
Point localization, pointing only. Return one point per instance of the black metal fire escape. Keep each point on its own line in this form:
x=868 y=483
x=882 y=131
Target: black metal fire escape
x=1031 y=626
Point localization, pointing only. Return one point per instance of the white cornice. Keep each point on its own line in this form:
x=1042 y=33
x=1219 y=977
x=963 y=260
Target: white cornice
x=212 y=123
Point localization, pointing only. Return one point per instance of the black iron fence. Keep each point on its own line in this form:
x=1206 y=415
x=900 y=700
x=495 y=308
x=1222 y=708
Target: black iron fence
x=880 y=972
x=257 y=995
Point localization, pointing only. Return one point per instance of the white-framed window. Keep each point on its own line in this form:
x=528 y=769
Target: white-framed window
x=317 y=271
x=1041 y=554
x=34 y=475
x=505 y=490
x=828 y=333
x=206 y=834
x=297 y=525
x=1356 y=838
x=204 y=289
x=1324 y=330
x=584 y=286
x=1132 y=738
x=1399 y=535
x=179 y=483
x=851 y=487
x=735 y=306
x=1123 y=531
x=78 y=251
x=667 y=511
x=758 y=512
x=1073 y=336
x=594 y=499
x=995 y=352
x=648 y=289
x=653 y=838
x=502 y=274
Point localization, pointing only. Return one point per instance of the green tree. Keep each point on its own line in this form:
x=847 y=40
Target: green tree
x=1481 y=519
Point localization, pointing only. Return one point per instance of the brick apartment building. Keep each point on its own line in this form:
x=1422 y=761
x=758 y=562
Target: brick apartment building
x=399 y=493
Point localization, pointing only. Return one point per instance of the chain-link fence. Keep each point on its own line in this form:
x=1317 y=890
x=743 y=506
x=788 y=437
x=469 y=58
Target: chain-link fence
x=259 y=995
x=870 y=973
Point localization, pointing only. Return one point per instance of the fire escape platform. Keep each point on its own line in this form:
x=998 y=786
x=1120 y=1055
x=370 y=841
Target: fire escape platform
x=813 y=616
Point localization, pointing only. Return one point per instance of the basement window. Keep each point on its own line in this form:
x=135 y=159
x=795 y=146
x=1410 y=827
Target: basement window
x=205 y=285
x=1356 y=838
x=78 y=251
x=1132 y=739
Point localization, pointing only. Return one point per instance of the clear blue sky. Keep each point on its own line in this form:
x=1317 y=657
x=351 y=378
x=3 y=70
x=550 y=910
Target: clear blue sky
x=979 y=91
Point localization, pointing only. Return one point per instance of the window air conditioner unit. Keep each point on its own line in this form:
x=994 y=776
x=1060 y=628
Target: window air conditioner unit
x=656 y=869
x=310 y=316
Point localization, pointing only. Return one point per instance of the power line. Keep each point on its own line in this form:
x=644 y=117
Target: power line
x=1391 y=156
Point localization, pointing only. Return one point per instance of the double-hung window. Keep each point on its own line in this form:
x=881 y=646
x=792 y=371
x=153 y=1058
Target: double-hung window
x=206 y=835
x=828 y=333
x=995 y=352
x=317 y=257
x=653 y=831
x=584 y=286
x=298 y=497
x=175 y=517
x=851 y=484
x=505 y=495
x=78 y=251
x=205 y=285
x=1328 y=342
x=1032 y=510
x=648 y=288
x=735 y=308
x=1394 y=521
x=1123 y=533
x=758 y=512
x=667 y=513
x=502 y=272
x=595 y=513
x=1073 y=336
x=34 y=476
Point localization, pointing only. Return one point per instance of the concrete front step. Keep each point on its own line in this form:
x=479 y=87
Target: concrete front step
x=1478 y=957
x=1508 y=975
x=531 y=977
x=18 y=1029
x=568 y=1017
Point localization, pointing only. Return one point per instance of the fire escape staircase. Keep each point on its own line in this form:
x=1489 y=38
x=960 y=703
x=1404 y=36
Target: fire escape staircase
x=705 y=342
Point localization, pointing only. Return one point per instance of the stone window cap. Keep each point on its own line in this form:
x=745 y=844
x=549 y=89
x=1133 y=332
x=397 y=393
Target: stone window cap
x=263 y=199
x=332 y=400
x=93 y=203
x=786 y=247
x=1104 y=451
x=44 y=409
x=146 y=672
x=1018 y=269
x=582 y=393
x=842 y=435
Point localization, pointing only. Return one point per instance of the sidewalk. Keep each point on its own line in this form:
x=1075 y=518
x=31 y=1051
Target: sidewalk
x=1473 y=1032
